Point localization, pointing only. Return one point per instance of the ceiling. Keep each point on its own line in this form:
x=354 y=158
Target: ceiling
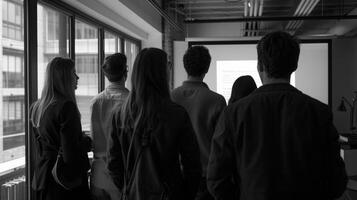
x=256 y=17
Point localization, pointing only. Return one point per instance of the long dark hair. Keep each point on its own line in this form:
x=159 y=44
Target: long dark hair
x=242 y=87
x=149 y=88
x=58 y=83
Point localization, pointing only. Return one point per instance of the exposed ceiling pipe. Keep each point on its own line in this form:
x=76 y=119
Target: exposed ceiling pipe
x=305 y=6
x=245 y=8
x=250 y=5
x=297 y=11
x=301 y=13
x=299 y=7
x=163 y=14
x=261 y=7
x=251 y=8
x=313 y=6
x=308 y=7
x=256 y=6
x=306 y=12
x=254 y=25
x=270 y=19
x=260 y=13
x=255 y=9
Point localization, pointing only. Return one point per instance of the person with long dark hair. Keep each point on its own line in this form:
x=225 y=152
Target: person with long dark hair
x=152 y=150
x=242 y=87
x=57 y=131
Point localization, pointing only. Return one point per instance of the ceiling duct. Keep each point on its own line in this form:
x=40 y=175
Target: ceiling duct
x=252 y=8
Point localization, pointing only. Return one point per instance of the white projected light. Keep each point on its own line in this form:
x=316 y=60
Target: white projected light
x=229 y=70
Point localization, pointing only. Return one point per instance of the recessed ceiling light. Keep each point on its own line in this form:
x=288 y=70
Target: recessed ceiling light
x=249 y=4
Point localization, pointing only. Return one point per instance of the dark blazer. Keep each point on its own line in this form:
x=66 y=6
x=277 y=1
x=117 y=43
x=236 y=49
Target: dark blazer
x=174 y=146
x=60 y=127
x=277 y=143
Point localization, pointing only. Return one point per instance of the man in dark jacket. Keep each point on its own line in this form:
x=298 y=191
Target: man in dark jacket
x=277 y=143
x=203 y=105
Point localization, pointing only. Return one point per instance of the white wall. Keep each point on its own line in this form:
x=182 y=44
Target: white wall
x=311 y=76
x=179 y=71
x=154 y=40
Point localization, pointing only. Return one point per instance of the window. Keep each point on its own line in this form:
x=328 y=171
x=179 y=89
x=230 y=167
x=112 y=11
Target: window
x=85 y=31
x=131 y=51
x=13 y=26
x=86 y=49
x=12 y=71
x=52 y=39
x=13 y=115
x=87 y=64
x=12 y=106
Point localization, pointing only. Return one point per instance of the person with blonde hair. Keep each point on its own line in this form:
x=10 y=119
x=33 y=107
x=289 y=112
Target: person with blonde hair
x=57 y=131
x=152 y=150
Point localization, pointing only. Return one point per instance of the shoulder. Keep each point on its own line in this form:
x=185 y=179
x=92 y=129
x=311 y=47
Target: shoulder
x=176 y=91
x=173 y=110
x=214 y=97
x=173 y=107
x=315 y=104
x=217 y=96
x=97 y=98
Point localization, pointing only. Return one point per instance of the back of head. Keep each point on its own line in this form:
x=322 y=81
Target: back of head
x=196 y=61
x=242 y=87
x=114 y=67
x=149 y=87
x=278 y=54
x=58 y=84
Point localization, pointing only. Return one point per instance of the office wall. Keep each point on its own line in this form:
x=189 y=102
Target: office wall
x=179 y=71
x=344 y=82
x=344 y=78
x=311 y=76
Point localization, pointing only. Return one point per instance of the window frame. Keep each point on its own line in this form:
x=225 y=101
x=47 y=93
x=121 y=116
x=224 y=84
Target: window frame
x=29 y=21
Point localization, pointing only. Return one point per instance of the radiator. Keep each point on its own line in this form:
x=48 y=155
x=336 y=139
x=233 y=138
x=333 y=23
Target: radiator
x=14 y=189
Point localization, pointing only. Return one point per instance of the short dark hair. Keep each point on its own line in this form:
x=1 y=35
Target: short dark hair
x=114 y=67
x=278 y=54
x=196 y=60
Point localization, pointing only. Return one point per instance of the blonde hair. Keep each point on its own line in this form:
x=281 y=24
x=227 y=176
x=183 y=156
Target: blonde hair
x=58 y=84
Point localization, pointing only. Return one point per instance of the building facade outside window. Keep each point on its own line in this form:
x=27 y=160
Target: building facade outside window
x=86 y=54
x=53 y=39
x=12 y=96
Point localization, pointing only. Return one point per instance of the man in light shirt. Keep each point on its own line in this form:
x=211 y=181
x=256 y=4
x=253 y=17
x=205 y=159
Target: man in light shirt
x=115 y=69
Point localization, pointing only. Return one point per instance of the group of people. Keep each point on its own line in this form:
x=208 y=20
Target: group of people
x=271 y=142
